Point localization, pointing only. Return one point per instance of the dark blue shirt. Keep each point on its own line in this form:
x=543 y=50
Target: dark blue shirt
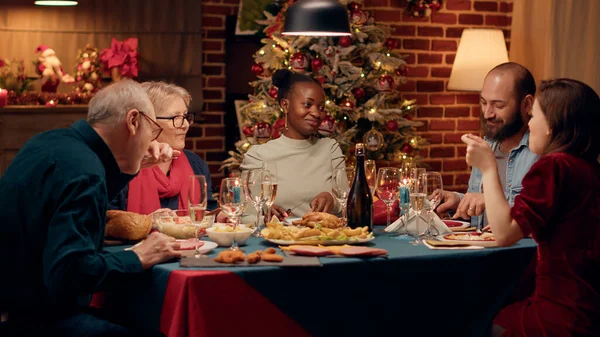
x=199 y=166
x=53 y=202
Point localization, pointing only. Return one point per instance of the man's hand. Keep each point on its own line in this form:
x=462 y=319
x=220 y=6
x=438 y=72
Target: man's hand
x=323 y=202
x=157 y=248
x=450 y=202
x=158 y=153
x=472 y=204
x=277 y=211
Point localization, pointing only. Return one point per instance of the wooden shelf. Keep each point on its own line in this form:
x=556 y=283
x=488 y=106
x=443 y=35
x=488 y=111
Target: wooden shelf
x=18 y=123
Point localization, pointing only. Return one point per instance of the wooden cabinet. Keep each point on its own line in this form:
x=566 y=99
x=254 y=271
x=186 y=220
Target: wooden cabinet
x=19 y=123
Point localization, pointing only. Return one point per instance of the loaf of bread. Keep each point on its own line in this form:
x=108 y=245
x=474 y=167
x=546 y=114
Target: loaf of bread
x=127 y=225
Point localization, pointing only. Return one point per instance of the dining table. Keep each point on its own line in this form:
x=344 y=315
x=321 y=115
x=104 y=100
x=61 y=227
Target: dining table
x=413 y=291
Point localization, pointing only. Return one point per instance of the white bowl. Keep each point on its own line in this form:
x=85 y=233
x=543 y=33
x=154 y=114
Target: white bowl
x=224 y=238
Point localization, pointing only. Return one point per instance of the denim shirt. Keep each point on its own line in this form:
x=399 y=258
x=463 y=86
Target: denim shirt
x=519 y=161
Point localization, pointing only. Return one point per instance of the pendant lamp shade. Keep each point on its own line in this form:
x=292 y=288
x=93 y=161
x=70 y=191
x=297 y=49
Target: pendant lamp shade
x=316 y=18
x=55 y=3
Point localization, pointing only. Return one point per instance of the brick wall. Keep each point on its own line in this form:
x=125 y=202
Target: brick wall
x=207 y=138
x=430 y=45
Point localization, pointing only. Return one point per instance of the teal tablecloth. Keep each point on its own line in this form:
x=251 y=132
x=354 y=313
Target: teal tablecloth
x=414 y=292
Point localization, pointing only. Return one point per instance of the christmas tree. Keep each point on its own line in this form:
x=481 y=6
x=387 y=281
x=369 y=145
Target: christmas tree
x=359 y=75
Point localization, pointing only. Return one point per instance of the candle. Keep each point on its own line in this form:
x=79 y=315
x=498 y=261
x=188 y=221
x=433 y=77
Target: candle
x=3 y=97
x=404 y=197
x=236 y=194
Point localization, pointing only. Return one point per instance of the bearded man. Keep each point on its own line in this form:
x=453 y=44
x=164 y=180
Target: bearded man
x=506 y=101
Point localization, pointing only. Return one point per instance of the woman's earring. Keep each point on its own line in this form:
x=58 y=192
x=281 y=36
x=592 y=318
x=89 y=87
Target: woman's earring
x=286 y=122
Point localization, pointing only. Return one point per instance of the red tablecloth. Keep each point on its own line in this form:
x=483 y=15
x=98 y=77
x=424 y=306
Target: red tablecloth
x=193 y=295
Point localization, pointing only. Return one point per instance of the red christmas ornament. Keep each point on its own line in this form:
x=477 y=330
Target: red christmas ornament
x=353 y=6
x=391 y=125
x=345 y=41
x=316 y=64
x=248 y=130
x=276 y=133
x=273 y=92
x=435 y=5
x=406 y=148
x=401 y=71
x=390 y=43
x=358 y=17
x=262 y=131
x=347 y=104
x=327 y=126
x=257 y=69
x=299 y=61
x=359 y=93
x=386 y=83
x=279 y=124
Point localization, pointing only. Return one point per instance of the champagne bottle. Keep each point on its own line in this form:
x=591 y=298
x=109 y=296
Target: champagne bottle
x=360 y=200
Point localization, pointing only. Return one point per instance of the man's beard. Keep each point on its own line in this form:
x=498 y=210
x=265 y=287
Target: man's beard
x=507 y=130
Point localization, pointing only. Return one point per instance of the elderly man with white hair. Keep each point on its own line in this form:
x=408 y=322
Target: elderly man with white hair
x=53 y=202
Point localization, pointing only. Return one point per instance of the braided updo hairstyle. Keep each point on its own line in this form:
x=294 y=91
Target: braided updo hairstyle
x=285 y=80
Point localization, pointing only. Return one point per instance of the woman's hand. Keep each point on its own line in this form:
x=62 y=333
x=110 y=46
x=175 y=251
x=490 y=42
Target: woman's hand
x=323 y=202
x=277 y=211
x=479 y=153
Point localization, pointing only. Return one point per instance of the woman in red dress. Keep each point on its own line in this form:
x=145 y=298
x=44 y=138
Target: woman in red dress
x=559 y=207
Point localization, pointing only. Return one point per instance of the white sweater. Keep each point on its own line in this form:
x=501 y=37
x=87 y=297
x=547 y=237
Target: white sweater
x=304 y=169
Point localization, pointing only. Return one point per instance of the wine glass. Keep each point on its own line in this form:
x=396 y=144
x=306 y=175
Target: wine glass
x=197 y=198
x=272 y=169
x=232 y=203
x=433 y=190
x=371 y=173
x=269 y=187
x=387 y=182
x=341 y=187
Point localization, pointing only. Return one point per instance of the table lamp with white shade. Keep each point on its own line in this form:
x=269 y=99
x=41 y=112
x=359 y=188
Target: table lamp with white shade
x=479 y=50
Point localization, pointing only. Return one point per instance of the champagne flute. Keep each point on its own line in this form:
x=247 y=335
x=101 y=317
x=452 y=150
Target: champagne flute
x=273 y=181
x=232 y=203
x=417 y=198
x=433 y=191
x=197 y=198
x=341 y=178
x=388 y=180
x=371 y=173
x=255 y=190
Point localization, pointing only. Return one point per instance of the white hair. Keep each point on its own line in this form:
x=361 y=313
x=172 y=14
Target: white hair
x=111 y=104
x=163 y=94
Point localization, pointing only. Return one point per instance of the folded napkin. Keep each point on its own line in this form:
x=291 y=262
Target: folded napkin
x=432 y=244
x=422 y=226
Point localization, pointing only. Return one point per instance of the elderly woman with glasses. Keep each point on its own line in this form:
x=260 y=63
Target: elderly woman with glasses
x=166 y=184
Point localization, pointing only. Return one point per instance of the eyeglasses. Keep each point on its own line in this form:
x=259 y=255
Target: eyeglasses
x=156 y=129
x=178 y=120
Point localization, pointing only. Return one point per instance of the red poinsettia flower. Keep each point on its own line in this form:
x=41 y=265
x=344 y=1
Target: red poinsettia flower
x=122 y=55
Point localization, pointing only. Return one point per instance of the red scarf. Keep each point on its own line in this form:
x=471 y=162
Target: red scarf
x=151 y=185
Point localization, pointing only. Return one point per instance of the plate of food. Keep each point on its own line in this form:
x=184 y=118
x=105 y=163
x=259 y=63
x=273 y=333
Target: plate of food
x=456 y=225
x=475 y=239
x=187 y=247
x=315 y=228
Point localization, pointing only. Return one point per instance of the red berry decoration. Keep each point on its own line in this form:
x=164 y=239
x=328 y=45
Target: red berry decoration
x=359 y=93
x=316 y=64
x=347 y=104
x=248 y=130
x=391 y=125
x=257 y=69
x=401 y=71
x=353 y=6
x=406 y=148
x=273 y=92
x=390 y=43
x=345 y=41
